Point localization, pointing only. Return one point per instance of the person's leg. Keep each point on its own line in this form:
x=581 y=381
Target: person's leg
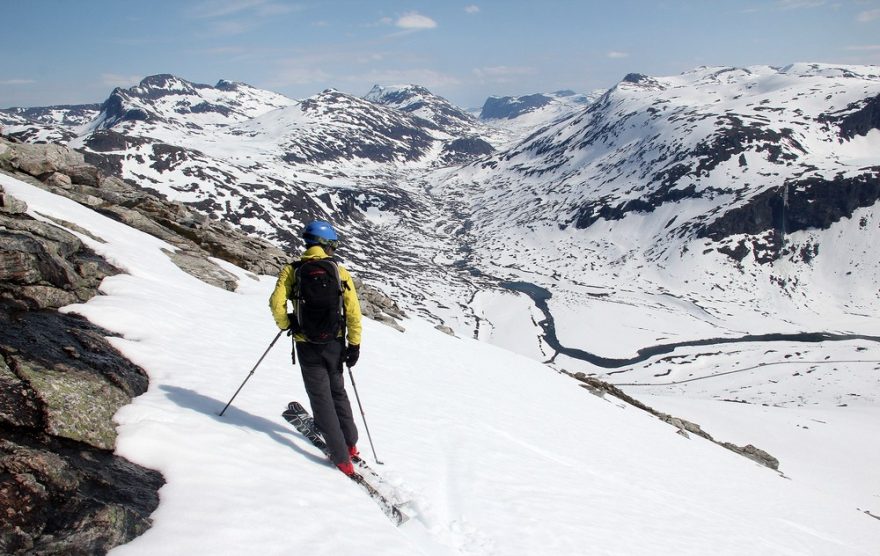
x=343 y=407
x=317 y=382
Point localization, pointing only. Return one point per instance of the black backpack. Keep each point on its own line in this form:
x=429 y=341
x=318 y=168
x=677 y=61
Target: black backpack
x=317 y=300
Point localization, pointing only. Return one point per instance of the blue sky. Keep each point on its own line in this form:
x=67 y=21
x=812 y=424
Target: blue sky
x=77 y=51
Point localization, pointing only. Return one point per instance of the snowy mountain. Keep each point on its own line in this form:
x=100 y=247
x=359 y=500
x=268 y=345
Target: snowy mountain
x=48 y=124
x=420 y=102
x=743 y=199
x=497 y=454
x=522 y=115
x=714 y=196
x=166 y=99
x=470 y=139
x=266 y=164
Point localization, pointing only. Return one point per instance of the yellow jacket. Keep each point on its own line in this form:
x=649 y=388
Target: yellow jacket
x=278 y=300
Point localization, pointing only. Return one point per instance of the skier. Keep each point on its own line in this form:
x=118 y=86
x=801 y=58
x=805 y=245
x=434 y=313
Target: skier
x=320 y=340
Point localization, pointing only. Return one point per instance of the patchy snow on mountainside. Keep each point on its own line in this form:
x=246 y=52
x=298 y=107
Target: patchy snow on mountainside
x=714 y=204
x=720 y=202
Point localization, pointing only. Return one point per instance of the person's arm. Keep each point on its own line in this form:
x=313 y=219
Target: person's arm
x=278 y=300
x=352 y=307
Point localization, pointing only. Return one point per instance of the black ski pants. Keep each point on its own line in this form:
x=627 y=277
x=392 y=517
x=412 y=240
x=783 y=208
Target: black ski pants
x=321 y=366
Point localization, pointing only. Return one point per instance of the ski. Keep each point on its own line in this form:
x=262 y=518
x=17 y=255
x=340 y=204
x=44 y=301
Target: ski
x=296 y=415
x=305 y=424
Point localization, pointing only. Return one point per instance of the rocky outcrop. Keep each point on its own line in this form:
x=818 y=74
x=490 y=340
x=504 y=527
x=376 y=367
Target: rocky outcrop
x=378 y=306
x=856 y=119
x=813 y=203
x=463 y=150
x=65 y=172
x=62 y=490
x=194 y=235
x=685 y=428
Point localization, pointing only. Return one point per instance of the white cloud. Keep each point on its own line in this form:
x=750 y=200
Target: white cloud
x=618 y=54
x=784 y=5
x=17 y=82
x=228 y=28
x=799 y=4
x=415 y=20
x=118 y=80
x=868 y=16
x=472 y=9
x=209 y=9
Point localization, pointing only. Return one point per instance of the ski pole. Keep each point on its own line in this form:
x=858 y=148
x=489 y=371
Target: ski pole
x=364 y=417
x=252 y=372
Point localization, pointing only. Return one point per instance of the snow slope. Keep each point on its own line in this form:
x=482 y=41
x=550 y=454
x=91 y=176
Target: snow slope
x=499 y=454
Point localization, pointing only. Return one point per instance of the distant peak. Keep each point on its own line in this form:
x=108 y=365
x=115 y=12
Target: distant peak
x=396 y=92
x=226 y=85
x=636 y=78
x=161 y=81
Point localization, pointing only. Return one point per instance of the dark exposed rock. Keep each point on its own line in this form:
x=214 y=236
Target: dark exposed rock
x=857 y=119
x=64 y=497
x=107 y=140
x=114 y=111
x=640 y=80
x=62 y=490
x=465 y=149
x=589 y=213
x=42 y=265
x=635 y=78
x=813 y=203
x=819 y=203
x=497 y=108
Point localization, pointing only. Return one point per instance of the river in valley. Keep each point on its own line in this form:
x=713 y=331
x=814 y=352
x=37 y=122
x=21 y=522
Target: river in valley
x=540 y=296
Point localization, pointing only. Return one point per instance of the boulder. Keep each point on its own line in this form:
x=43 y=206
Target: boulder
x=83 y=174
x=11 y=205
x=203 y=269
x=38 y=160
x=57 y=179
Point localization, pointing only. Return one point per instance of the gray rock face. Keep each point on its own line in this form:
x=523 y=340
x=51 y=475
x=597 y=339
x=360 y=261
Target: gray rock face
x=97 y=500
x=62 y=491
x=38 y=160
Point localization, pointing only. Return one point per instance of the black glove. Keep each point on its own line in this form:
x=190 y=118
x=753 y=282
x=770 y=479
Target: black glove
x=291 y=319
x=352 y=352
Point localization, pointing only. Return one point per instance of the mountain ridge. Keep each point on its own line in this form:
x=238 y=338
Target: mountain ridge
x=730 y=171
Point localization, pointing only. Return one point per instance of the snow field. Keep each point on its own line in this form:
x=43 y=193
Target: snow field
x=499 y=454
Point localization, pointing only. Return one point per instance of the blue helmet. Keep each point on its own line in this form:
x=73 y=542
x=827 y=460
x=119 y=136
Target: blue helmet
x=321 y=233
